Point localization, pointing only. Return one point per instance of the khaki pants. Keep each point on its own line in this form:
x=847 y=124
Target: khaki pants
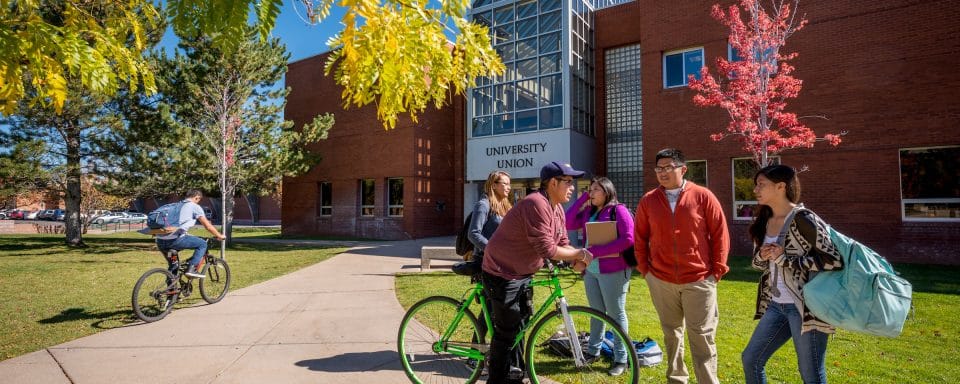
x=694 y=305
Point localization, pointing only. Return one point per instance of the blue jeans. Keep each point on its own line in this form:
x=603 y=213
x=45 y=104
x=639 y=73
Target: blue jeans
x=607 y=293
x=198 y=245
x=780 y=323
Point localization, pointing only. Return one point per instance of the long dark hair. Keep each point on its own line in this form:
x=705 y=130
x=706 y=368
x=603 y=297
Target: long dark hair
x=777 y=174
x=607 y=186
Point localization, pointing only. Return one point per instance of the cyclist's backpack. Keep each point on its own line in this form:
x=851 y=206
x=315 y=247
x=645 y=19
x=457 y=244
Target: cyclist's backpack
x=463 y=245
x=866 y=295
x=628 y=255
x=166 y=216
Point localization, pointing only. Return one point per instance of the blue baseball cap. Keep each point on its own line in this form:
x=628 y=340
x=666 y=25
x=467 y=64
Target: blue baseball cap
x=557 y=169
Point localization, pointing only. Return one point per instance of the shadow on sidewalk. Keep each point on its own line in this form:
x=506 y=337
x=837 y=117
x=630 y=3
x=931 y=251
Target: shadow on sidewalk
x=355 y=362
x=104 y=319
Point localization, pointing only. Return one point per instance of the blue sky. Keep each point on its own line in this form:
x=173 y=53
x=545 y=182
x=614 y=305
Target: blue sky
x=302 y=40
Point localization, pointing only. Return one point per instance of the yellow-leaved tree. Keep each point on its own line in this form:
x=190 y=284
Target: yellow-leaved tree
x=391 y=52
x=43 y=43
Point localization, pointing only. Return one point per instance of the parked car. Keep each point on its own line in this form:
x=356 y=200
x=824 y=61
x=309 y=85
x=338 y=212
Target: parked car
x=3 y=213
x=95 y=213
x=48 y=214
x=111 y=217
x=133 y=217
x=17 y=214
x=30 y=215
x=60 y=215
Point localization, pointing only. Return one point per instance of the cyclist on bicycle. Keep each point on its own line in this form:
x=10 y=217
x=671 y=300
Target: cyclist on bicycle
x=179 y=239
x=533 y=230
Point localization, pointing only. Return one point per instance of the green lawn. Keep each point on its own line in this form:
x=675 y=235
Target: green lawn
x=53 y=294
x=924 y=353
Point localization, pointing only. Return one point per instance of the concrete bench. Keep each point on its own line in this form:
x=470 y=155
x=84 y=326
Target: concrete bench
x=428 y=253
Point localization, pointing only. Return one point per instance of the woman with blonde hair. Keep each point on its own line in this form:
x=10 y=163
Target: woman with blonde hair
x=489 y=211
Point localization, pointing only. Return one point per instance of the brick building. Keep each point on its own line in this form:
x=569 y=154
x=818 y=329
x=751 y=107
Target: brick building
x=372 y=183
x=879 y=70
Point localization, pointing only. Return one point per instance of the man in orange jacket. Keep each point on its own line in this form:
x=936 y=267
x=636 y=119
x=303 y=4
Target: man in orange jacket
x=681 y=244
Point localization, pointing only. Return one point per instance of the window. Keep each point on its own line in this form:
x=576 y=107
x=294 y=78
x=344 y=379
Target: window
x=697 y=172
x=744 y=204
x=677 y=65
x=531 y=39
x=324 y=199
x=930 y=184
x=624 y=123
x=734 y=55
x=395 y=197
x=367 y=199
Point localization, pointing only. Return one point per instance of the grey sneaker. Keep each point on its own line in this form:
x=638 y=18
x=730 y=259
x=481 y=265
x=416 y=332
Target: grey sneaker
x=590 y=359
x=194 y=271
x=617 y=369
x=515 y=374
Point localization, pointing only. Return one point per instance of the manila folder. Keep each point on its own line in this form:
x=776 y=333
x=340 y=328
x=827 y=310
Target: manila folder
x=601 y=232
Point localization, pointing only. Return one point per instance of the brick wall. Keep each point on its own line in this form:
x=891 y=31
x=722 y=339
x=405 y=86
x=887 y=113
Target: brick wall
x=7 y=226
x=880 y=71
x=426 y=154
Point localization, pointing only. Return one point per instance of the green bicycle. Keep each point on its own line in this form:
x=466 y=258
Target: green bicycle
x=441 y=340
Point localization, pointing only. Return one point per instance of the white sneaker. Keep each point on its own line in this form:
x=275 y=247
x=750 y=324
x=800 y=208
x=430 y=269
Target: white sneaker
x=193 y=272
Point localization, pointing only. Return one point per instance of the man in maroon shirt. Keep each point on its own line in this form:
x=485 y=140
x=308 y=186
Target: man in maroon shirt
x=533 y=230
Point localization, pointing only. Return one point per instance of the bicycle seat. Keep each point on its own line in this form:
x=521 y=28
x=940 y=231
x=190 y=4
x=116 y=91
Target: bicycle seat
x=467 y=268
x=168 y=253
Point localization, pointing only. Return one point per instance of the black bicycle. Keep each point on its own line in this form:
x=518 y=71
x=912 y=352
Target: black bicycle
x=158 y=290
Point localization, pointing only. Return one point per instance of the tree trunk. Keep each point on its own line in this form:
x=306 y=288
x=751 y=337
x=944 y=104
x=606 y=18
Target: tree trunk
x=217 y=208
x=228 y=204
x=73 y=229
x=253 y=203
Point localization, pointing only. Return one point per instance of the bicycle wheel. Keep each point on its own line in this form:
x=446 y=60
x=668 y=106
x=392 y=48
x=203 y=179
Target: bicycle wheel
x=155 y=294
x=425 y=358
x=546 y=365
x=214 y=286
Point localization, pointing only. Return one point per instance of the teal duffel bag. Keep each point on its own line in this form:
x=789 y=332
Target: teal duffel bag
x=865 y=296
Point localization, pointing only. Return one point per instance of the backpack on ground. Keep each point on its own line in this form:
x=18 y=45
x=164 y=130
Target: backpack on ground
x=648 y=352
x=559 y=344
x=164 y=217
x=628 y=255
x=463 y=246
x=866 y=295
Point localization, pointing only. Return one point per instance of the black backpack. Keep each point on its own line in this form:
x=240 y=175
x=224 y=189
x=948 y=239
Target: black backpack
x=627 y=255
x=463 y=244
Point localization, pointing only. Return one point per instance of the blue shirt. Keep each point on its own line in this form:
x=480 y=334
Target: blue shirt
x=189 y=213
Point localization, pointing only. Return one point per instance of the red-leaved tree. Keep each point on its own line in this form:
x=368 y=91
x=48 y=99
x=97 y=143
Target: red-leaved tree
x=754 y=88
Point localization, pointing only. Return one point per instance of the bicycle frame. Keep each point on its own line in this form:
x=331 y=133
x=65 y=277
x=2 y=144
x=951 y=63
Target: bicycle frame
x=477 y=351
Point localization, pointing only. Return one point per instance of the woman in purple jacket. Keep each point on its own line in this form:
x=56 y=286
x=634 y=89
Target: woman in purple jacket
x=607 y=277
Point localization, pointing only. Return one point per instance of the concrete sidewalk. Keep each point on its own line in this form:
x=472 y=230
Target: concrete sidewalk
x=332 y=322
